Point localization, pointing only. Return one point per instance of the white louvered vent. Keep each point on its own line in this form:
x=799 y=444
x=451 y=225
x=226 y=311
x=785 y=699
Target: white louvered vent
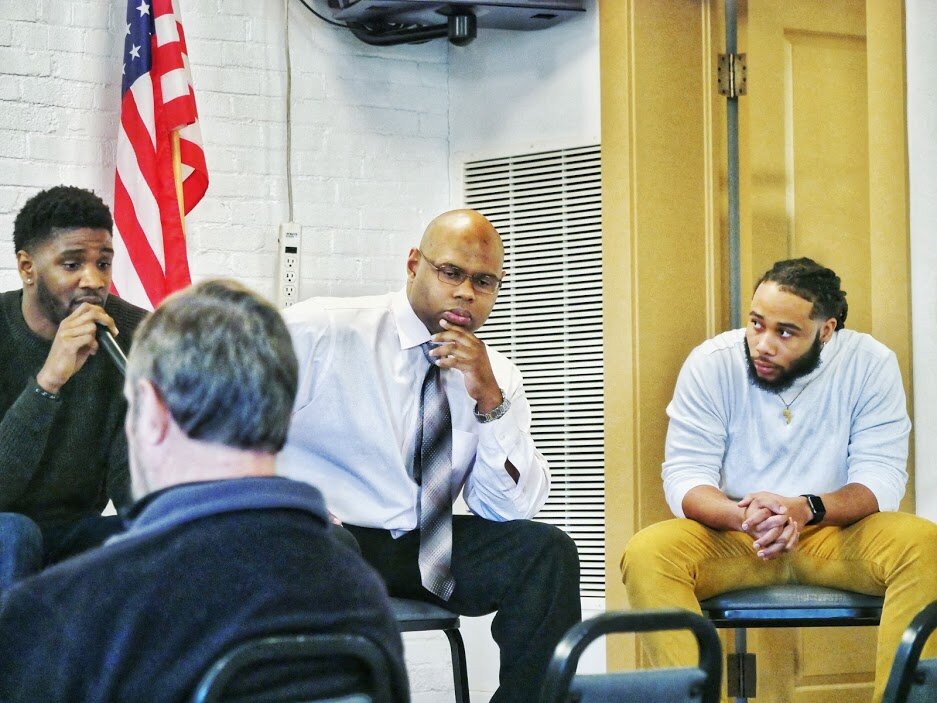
x=548 y=320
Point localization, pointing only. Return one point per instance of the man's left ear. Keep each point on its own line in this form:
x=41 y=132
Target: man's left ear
x=413 y=260
x=153 y=417
x=826 y=332
x=24 y=264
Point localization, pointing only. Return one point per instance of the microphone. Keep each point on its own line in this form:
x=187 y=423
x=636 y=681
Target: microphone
x=106 y=340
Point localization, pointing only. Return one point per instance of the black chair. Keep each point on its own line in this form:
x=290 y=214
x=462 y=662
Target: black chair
x=789 y=605
x=698 y=684
x=913 y=680
x=420 y=616
x=292 y=669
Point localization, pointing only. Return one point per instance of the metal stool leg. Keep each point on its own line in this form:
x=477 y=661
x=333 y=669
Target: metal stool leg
x=459 y=668
x=740 y=669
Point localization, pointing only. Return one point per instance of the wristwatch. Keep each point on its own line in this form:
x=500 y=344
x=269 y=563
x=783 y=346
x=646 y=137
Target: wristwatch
x=496 y=412
x=816 y=507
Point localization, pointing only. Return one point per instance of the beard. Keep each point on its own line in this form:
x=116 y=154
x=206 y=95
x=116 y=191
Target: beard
x=801 y=366
x=56 y=310
x=51 y=307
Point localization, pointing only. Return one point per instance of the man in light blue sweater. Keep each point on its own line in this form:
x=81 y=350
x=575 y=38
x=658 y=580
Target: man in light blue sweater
x=785 y=462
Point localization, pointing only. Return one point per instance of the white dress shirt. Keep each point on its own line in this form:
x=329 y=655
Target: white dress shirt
x=354 y=422
x=849 y=424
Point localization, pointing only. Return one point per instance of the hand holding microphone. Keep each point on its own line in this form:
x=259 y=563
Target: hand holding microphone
x=106 y=340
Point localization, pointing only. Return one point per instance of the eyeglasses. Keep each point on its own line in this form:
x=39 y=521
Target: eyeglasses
x=454 y=276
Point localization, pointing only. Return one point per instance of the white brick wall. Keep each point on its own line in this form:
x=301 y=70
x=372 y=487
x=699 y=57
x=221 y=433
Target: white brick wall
x=370 y=134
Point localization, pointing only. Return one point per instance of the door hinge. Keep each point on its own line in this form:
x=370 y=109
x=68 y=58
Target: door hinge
x=732 y=75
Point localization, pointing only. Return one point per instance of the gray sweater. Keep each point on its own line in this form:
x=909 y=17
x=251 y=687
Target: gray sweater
x=60 y=460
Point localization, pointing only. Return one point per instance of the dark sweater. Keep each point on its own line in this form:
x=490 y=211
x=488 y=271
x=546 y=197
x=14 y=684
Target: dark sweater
x=60 y=460
x=202 y=567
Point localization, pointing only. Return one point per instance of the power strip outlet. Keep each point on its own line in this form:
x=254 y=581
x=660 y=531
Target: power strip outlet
x=290 y=251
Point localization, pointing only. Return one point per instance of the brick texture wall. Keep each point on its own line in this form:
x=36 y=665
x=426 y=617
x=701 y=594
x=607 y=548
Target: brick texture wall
x=369 y=139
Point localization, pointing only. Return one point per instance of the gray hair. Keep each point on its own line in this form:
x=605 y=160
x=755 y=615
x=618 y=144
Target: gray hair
x=221 y=358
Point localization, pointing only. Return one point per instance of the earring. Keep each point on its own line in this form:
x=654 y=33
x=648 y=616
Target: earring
x=29 y=281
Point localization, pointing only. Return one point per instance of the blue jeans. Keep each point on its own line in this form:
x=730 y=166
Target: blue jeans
x=20 y=548
x=25 y=548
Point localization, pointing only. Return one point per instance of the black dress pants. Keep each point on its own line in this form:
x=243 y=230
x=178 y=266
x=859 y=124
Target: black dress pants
x=526 y=571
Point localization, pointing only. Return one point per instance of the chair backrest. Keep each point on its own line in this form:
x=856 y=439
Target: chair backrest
x=912 y=680
x=699 y=685
x=322 y=668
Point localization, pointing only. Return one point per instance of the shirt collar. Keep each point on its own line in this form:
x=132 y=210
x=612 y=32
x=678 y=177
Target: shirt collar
x=187 y=502
x=410 y=329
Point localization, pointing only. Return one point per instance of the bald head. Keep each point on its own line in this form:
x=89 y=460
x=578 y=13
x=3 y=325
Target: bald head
x=464 y=242
x=462 y=226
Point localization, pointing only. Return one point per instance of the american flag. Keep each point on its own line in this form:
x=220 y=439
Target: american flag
x=157 y=109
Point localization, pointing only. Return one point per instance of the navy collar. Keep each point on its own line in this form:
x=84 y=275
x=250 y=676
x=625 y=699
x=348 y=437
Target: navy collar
x=177 y=505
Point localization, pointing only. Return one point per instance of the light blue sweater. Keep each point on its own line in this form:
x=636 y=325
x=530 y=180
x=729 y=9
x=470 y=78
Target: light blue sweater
x=849 y=424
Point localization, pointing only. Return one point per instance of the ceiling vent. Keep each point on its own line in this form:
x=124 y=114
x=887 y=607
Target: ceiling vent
x=389 y=22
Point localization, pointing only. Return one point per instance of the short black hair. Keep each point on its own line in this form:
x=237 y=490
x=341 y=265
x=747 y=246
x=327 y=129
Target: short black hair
x=813 y=282
x=58 y=209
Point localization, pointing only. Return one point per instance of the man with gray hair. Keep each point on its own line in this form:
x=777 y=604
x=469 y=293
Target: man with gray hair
x=219 y=549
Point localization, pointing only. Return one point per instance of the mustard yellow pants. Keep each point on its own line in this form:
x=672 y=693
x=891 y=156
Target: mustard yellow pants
x=677 y=563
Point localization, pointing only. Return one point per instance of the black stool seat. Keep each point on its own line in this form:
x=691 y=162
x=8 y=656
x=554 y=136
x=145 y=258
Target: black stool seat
x=787 y=605
x=417 y=615
x=792 y=605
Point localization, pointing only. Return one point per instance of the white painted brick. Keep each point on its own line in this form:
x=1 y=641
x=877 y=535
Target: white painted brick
x=434 y=124
x=325 y=214
x=90 y=42
x=27 y=10
x=25 y=63
x=92 y=123
x=434 y=75
x=11 y=88
x=31 y=118
x=253 y=54
x=200 y=27
x=210 y=263
x=75 y=151
x=85 y=69
x=6 y=33
x=237 y=7
x=31 y=36
x=307 y=85
x=9 y=279
x=58 y=93
x=11 y=200
x=81 y=14
x=227 y=237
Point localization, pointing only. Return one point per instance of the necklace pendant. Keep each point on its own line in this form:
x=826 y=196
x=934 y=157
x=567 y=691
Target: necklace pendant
x=788 y=415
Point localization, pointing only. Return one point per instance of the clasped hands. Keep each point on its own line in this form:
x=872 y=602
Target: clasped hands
x=774 y=522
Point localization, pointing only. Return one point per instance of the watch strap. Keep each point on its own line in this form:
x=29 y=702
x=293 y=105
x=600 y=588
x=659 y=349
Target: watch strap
x=496 y=412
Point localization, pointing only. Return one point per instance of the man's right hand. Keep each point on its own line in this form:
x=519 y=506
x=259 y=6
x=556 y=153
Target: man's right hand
x=773 y=521
x=75 y=340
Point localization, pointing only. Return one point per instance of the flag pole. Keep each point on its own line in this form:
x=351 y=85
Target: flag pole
x=177 y=175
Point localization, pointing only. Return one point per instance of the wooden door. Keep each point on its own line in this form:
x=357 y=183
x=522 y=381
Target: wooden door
x=807 y=190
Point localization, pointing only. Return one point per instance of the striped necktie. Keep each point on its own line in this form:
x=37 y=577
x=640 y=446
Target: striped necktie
x=433 y=471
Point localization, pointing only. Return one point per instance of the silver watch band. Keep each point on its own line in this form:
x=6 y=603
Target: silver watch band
x=495 y=412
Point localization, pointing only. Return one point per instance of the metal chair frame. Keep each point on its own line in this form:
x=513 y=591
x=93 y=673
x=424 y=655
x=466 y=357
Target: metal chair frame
x=562 y=668
x=421 y=616
x=904 y=670
x=385 y=677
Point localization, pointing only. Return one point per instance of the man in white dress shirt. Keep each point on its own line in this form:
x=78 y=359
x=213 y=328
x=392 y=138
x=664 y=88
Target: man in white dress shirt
x=356 y=435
